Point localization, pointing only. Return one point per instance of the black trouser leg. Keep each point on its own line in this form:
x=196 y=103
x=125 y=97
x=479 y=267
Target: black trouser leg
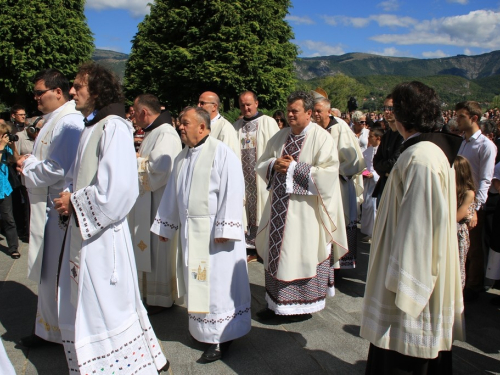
x=9 y=223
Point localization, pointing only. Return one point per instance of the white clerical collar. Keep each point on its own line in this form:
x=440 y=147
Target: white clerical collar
x=215 y=118
x=412 y=136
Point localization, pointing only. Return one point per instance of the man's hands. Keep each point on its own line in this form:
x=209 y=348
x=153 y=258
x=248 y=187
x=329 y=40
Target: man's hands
x=217 y=240
x=20 y=161
x=473 y=221
x=163 y=239
x=63 y=205
x=281 y=164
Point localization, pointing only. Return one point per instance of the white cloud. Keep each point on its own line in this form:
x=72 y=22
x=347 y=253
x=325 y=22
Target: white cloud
x=480 y=29
x=137 y=8
x=458 y=1
x=316 y=48
x=391 y=51
x=389 y=5
x=434 y=54
x=468 y=52
x=299 y=20
x=383 y=20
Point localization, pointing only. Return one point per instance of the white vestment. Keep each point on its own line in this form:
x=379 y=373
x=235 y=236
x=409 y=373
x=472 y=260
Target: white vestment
x=299 y=256
x=369 y=203
x=105 y=327
x=413 y=298
x=253 y=135
x=224 y=131
x=228 y=294
x=6 y=367
x=351 y=166
x=155 y=260
x=44 y=172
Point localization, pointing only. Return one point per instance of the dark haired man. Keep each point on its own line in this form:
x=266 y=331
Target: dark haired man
x=18 y=117
x=202 y=209
x=161 y=145
x=481 y=153
x=102 y=320
x=300 y=165
x=388 y=150
x=44 y=171
x=413 y=306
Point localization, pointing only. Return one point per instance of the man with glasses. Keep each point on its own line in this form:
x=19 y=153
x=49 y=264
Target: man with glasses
x=18 y=118
x=221 y=129
x=254 y=131
x=44 y=170
x=388 y=151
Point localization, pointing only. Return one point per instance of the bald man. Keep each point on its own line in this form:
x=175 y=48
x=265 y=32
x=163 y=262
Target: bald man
x=221 y=129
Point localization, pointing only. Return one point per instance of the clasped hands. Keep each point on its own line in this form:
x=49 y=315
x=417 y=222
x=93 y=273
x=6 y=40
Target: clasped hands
x=281 y=164
x=216 y=240
x=63 y=203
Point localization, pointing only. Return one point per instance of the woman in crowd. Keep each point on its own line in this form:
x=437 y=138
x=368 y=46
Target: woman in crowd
x=8 y=157
x=360 y=130
x=280 y=118
x=466 y=205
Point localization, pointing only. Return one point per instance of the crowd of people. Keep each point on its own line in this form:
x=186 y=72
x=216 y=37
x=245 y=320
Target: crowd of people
x=132 y=212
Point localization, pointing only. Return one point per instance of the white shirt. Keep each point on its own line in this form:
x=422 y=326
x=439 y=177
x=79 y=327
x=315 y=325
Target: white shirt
x=481 y=153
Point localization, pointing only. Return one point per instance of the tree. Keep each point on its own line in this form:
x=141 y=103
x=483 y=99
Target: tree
x=185 y=47
x=35 y=35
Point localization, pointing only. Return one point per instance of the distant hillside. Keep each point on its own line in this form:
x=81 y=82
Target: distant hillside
x=363 y=64
x=115 y=61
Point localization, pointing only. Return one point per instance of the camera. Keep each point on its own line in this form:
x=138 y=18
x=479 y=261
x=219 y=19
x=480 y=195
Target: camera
x=13 y=137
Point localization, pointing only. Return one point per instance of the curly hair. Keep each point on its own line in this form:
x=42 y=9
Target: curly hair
x=103 y=84
x=416 y=106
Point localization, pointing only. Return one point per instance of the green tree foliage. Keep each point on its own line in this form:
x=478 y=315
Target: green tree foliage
x=36 y=35
x=339 y=88
x=185 y=47
x=495 y=103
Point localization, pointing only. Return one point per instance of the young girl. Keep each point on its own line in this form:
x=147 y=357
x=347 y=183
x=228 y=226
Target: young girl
x=466 y=204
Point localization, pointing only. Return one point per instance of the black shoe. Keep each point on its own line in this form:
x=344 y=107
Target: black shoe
x=33 y=341
x=164 y=368
x=215 y=351
x=265 y=314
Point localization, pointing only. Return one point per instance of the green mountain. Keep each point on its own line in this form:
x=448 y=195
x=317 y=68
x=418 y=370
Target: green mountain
x=363 y=64
x=115 y=61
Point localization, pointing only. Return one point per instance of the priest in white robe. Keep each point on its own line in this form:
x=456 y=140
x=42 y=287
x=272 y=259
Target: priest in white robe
x=160 y=146
x=104 y=325
x=413 y=305
x=254 y=132
x=44 y=171
x=351 y=166
x=370 y=177
x=201 y=210
x=300 y=166
x=220 y=128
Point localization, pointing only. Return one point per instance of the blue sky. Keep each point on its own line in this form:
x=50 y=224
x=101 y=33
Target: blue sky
x=407 y=28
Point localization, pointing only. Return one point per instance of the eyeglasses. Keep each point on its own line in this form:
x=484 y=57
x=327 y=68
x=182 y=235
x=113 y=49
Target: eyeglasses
x=388 y=108
x=362 y=122
x=279 y=120
x=39 y=93
x=202 y=103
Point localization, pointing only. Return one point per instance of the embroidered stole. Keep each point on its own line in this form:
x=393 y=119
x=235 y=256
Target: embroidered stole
x=199 y=229
x=38 y=200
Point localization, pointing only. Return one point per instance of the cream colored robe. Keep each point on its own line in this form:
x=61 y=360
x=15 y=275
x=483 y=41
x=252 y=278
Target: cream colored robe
x=266 y=128
x=413 y=298
x=352 y=164
x=223 y=130
x=312 y=221
x=157 y=153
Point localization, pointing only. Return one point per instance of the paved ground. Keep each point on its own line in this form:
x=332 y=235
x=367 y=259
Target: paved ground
x=329 y=343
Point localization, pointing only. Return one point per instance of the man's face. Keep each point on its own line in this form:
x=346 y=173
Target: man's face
x=248 y=105
x=465 y=120
x=298 y=117
x=19 y=116
x=81 y=95
x=388 y=111
x=139 y=115
x=207 y=102
x=373 y=140
x=321 y=115
x=46 y=97
x=190 y=128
